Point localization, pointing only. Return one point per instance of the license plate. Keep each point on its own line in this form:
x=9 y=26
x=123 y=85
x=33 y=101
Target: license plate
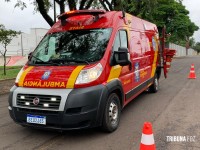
x=36 y=119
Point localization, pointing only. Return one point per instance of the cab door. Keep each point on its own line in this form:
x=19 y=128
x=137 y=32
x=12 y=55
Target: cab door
x=126 y=75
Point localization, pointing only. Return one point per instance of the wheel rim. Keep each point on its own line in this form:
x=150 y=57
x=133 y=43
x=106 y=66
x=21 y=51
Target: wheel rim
x=113 y=113
x=156 y=84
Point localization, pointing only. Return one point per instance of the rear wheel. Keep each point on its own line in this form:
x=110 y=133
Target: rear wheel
x=112 y=113
x=155 y=86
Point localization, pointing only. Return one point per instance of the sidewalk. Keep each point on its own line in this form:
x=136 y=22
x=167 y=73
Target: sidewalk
x=14 y=60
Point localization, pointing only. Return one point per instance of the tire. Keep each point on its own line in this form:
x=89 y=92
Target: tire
x=155 y=86
x=112 y=113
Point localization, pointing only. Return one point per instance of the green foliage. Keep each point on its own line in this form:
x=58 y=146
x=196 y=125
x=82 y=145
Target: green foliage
x=11 y=72
x=197 y=47
x=144 y=9
x=6 y=36
x=170 y=13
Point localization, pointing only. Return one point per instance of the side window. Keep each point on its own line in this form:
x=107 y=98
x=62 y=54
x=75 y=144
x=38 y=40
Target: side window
x=117 y=42
x=123 y=38
x=120 y=40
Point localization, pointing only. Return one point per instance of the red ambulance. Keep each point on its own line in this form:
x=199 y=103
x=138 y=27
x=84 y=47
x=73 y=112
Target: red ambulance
x=88 y=66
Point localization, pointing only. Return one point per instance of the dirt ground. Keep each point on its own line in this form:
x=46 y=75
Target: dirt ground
x=5 y=85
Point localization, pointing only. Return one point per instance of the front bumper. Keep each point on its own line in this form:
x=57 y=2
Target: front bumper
x=83 y=108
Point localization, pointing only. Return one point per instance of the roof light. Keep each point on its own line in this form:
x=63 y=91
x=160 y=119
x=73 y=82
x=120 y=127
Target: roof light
x=70 y=12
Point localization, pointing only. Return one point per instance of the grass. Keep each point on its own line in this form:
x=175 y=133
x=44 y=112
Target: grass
x=11 y=72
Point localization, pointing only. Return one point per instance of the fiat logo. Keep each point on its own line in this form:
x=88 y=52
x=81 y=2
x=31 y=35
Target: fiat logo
x=36 y=101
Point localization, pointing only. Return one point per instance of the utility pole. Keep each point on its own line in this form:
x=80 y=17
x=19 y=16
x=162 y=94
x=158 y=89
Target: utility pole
x=22 y=48
x=54 y=9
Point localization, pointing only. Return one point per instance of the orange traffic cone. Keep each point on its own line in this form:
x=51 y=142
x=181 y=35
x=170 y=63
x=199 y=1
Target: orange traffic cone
x=192 y=74
x=147 y=141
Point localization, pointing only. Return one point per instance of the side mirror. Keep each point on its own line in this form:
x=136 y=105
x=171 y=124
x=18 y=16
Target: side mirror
x=29 y=55
x=121 y=57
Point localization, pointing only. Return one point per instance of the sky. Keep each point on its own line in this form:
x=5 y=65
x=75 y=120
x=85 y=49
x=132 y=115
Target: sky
x=16 y=19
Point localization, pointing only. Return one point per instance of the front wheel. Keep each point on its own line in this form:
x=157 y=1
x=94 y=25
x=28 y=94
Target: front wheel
x=112 y=113
x=155 y=86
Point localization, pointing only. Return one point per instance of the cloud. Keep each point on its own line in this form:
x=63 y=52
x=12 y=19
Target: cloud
x=16 y=19
x=21 y=20
x=193 y=7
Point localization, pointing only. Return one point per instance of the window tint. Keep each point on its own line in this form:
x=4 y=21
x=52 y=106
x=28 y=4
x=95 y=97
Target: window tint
x=116 y=43
x=72 y=46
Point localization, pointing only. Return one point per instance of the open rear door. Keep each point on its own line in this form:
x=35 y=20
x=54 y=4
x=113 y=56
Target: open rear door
x=166 y=54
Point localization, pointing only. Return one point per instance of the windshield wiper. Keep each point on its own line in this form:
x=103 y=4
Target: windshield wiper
x=44 y=62
x=78 y=61
x=69 y=60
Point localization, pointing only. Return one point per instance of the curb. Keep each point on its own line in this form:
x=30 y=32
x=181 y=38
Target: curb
x=1 y=94
x=7 y=79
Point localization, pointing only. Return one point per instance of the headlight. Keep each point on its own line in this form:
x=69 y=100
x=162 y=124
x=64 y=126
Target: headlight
x=89 y=75
x=18 y=76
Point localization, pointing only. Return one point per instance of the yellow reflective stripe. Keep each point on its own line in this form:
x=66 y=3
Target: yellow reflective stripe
x=114 y=72
x=155 y=59
x=21 y=80
x=73 y=77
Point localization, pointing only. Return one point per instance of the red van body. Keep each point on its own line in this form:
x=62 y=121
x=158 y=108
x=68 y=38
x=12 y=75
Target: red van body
x=89 y=66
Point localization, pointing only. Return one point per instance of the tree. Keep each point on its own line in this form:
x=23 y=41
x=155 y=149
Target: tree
x=43 y=6
x=6 y=37
x=170 y=13
x=197 y=47
x=174 y=15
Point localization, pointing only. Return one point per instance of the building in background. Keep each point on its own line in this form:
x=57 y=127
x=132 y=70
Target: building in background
x=181 y=51
x=25 y=43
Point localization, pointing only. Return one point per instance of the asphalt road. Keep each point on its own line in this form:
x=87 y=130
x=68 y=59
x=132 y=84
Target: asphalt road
x=173 y=111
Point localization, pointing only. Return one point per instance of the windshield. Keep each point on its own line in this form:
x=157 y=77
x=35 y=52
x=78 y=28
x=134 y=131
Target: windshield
x=79 y=46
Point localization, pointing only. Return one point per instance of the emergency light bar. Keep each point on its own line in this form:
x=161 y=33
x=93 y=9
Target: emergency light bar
x=69 y=14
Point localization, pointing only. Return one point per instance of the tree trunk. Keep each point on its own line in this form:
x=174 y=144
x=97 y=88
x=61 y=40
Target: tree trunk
x=82 y=4
x=44 y=13
x=72 y=4
x=62 y=7
x=88 y=4
x=4 y=64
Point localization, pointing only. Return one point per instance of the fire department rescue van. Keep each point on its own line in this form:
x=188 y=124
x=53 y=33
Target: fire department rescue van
x=85 y=70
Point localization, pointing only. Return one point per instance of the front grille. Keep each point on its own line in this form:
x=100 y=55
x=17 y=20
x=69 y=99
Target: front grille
x=45 y=101
x=43 y=112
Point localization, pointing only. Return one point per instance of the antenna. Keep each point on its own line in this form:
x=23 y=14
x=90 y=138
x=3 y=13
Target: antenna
x=123 y=12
